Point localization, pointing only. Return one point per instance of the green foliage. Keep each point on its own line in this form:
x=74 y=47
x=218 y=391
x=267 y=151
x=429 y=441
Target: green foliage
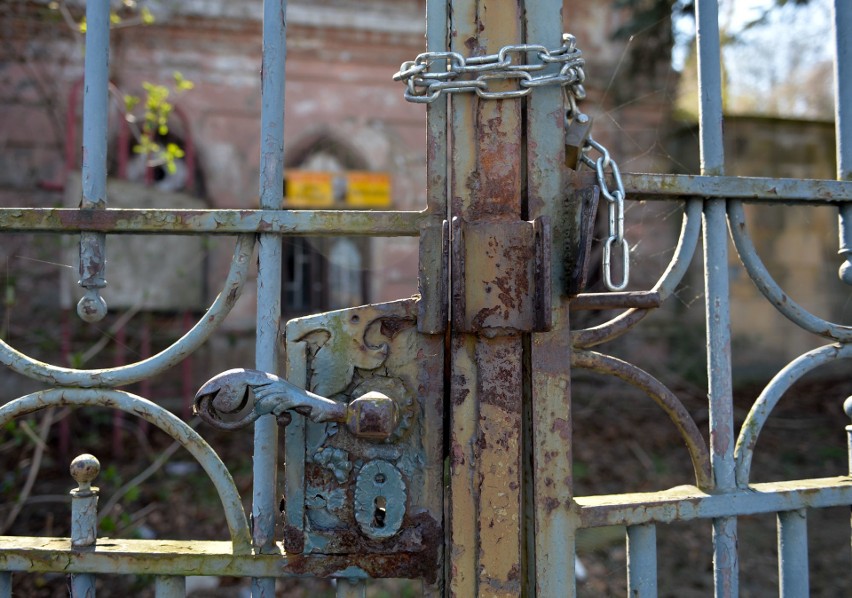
x=154 y=122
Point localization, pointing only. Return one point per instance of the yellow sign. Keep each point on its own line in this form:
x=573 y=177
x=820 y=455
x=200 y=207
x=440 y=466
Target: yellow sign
x=367 y=190
x=303 y=189
x=354 y=189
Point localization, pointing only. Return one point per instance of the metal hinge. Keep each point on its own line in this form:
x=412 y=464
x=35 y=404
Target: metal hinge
x=501 y=277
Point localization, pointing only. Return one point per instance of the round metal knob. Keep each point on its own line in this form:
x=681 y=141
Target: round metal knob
x=92 y=307
x=84 y=469
x=373 y=416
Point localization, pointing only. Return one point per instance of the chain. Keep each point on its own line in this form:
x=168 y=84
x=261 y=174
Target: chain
x=434 y=73
x=615 y=201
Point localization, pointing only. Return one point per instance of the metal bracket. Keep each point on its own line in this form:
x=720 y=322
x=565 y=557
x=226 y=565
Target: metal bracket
x=509 y=289
x=433 y=277
x=579 y=251
x=576 y=136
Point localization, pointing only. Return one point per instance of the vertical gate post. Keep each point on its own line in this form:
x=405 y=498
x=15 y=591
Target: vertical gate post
x=170 y=586
x=485 y=534
x=264 y=497
x=843 y=124
x=793 y=554
x=84 y=518
x=551 y=524
x=717 y=308
x=642 y=560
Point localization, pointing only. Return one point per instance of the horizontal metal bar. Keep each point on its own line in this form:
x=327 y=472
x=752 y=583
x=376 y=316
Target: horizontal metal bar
x=688 y=502
x=221 y=222
x=635 y=299
x=185 y=557
x=750 y=189
x=154 y=557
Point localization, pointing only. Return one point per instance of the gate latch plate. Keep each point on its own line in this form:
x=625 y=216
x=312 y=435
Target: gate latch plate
x=501 y=275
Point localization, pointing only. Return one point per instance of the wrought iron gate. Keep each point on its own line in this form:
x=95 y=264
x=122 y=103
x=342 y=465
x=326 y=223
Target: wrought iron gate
x=394 y=466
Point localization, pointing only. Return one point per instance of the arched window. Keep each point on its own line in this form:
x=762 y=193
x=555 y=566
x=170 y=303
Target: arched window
x=324 y=273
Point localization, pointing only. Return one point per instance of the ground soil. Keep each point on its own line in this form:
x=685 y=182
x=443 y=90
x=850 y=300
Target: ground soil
x=623 y=442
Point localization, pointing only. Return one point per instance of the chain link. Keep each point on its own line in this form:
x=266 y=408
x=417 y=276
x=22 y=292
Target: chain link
x=434 y=73
x=615 y=201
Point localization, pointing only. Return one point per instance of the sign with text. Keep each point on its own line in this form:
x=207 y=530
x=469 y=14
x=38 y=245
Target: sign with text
x=353 y=189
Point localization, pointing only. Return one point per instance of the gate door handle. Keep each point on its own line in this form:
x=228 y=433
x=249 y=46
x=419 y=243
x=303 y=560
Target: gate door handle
x=372 y=416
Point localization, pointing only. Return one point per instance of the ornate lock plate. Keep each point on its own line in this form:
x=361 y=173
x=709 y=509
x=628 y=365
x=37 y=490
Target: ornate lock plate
x=372 y=505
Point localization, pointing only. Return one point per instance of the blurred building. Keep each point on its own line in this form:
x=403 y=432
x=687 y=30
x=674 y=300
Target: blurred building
x=344 y=114
x=345 y=118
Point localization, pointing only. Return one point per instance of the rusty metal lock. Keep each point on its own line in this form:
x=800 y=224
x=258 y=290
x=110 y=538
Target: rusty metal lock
x=372 y=416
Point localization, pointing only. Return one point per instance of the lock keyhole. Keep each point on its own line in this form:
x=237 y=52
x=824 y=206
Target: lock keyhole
x=380 y=499
x=380 y=511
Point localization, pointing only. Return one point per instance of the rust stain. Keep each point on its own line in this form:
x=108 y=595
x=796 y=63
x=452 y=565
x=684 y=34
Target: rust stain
x=550 y=504
x=294 y=540
x=391 y=327
x=563 y=428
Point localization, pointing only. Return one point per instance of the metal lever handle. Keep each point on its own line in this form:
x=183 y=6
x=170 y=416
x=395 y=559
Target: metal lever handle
x=373 y=415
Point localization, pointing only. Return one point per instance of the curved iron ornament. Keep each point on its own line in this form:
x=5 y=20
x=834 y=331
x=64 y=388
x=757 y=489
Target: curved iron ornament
x=167 y=422
x=770 y=289
x=172 y=355
x=663 y=397
x=668 y=282
x=768 y=399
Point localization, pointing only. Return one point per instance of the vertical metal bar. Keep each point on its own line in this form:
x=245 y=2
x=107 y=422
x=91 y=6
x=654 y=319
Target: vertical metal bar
x=642 y=560
x=170 y=586
x=436 y=116
x=84 y=519
x=351 y=588
x=485 y=519
x=294 y=444
x=843 y=124
x=718 y=321
x=432 y=277
x=548 y=464
x=5 y=584
x=264 y=503
x=793 y=554
x=434 y=297
x=92 y=307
